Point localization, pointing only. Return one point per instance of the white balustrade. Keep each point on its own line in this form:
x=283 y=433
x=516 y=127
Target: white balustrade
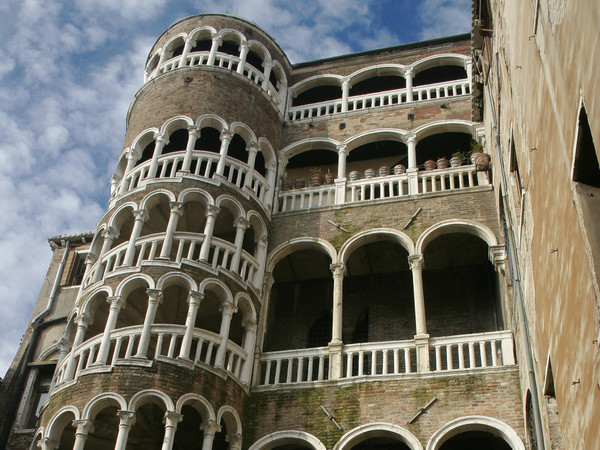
x=451 y=179
x=294 y=366
x=381 y=358
x=445 y=89
x=165 y=345
x=471 y=351
x=377 y=188
x=306 y=198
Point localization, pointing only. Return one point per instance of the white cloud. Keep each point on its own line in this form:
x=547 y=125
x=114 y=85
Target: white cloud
x=444 y=18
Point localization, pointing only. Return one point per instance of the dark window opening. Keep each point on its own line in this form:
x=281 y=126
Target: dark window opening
x=177 y=51
x=229 y=48
x=439 y=75
x=202 y=45
x=586 y=170
x=177 y=141
x=39 y=395
x=319 y=334
x=475 y=440
x=378 y=84
x=387 y=152
x=273 y=79
x=153 y=64
x=361 y=330
x=318 y=94
x=237 y=149
x=381 y=443
x=442 y=144
x=77 y=270
x=514 y=167
x=259 y=164
x=209 y=140
x=147 y=153
x=255 y=60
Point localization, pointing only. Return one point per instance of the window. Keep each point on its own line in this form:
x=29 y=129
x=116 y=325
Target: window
x=74 y=269
x=39 y=395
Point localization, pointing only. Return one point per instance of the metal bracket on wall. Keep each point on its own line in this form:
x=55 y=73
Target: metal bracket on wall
x=412 y=218
x=335 y=422
x=423 y=409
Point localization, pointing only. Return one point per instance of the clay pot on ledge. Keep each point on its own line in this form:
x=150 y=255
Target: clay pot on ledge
x=399 y=169
x=456 y=161
x=354 y=175
x=329 y=178
x=286 y=185
x=430 y=164
x=384 y=171
x=316 y=179
x=442 y=162
x=369 y=173
x=482 y=162
x=299 y=183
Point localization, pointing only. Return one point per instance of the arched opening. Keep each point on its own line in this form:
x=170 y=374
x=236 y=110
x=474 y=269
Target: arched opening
x=97 y=310
x=63 y=431
x=443 y=145
x=439 y=74
x=105 y=429
x=255 y=60
x=229 y=48
x=173 y=308
x=379 y=155
x=460 y=286
x=475 y=440
x=123 y=225
x=303 y=165
x=380 y=443
x=135 y=311
x=237 y=149
x=301 y=302
x=189 y=434
x=174 y=48
x=209 y=140
x=378 y=84
x=153 y=63
x=147 y=153
x=209 y=313
x=148 y=430
x=177 y=141
x=157 y=219
x=318 y=94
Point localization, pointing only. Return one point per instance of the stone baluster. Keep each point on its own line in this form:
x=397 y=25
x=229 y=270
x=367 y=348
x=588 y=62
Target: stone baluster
x=260 y=255
x=252 y=151
x=186 y=50
x=345 y=94
x=243 y=54
x=83 y=322
x=421 y=336
x=216 y=42
x=249 y=344
x=408 y=76
x=412 y=172
x=268 y=66
x=271 y=174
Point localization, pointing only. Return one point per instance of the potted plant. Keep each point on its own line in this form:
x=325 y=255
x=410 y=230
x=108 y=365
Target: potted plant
x=458 y=158
x=478 y=157
x=299 y=183
x=316 y=176
x=442 y=162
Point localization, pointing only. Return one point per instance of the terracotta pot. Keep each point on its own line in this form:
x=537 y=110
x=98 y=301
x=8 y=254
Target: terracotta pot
x=369 y=173
x=430 y=164
x=286 y=185
x=483 y=162
x=475 y=156
x=354 y=175
x=456 y=161
x=384 y=171
x=399 y=169
x=329 y=178
x=299 y=183
x=316 y=179
x=442 y=163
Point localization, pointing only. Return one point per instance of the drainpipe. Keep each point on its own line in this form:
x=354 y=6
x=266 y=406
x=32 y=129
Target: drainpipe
x=37 y=325
x=517 y=290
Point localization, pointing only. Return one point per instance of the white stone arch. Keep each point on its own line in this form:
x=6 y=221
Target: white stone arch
x=224 y=33
x=90 y=296
x=455 y=226
x=377 y=429
x=443 y=59
x=118 y=217
x=445 y=126
x=173 y=124
x=153 y=198
x=121 y=165
x=279 y=73
x=133 y=282
x=98 y=239
x=314 y=81
x=101 y=401
x=169 y=45
x=267 y=150
x=296 y=244
x=150 y=63
x=278 y=438
x=63 y=417
x=218 y=287
x=142 y=140
x=231 y=419
x=193 y=36
x=380 y=134
x=377 y=70
x=39 y=433
x=243 y=301
x=176 y=278
x=262 y=51
x=244 y=131
x=232 y=204
x=257 y=223
x=309 y=144
x=212 y=121
x=197 y=193
x=375 y=235
x=475 y=423
x=206 y=410
x=150 y=396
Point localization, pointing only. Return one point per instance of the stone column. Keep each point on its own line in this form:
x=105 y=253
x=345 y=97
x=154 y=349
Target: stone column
x=116 y=304
x=131 y=160
x=234 y=440
x=240 y=229
x=243 y=53
x=271 y=173
x=139 y=215
x=184 y=53
x=171 y=420
x=194 y=299
x=261 y=257
x=421 y=336
x=345 y=94
x=412 y=171
x=342 y=150
x=48 y=444
x=213 y=50
x=161 y=141
x=228 y=309
x=171 y=227
x=335 y=346
x=226 y=137
x=249 y=344
x=126 y=421
x=109 y=236
x=268 y=66
x=82 y=429
x=83 y=322
x=90 y=260
x=211 y=216
x=408 y=76
x=210 y=429
x=63 y=345
x=252 y=151
x=154 y=299
x=469 y=70
x=193 y=135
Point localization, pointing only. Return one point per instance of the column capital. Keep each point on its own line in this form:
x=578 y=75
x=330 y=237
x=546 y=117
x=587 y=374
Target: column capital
x=242 y=222
x=130 y=153
x=109 y=233
x=176 y=207
x=83 y=426
x=261 y=240
x=244 y=44
x=161 y=138
x=346 y=82
x=154 y=295
x=338 y=269
x=171 y=418
x=228 y=308
x=91 y=258
x=210 y=427
x=416 y=262
x=283 y=160
x=250 y=324
x=64 y=345
x=139 y=214
x=226 y=135
x=267 y=63
x=83 y=320
x=126 y=418
x=48 y=444
x=409 y=71
x=342 y=148
x=194 y=130
x=195 y=297
x=411 y=138
x=252 y=147
x=272 y=165
x=234 y=439
x=212 y=211
x=116 y=302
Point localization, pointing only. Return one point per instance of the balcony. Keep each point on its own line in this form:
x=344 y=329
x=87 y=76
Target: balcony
x=460 y=354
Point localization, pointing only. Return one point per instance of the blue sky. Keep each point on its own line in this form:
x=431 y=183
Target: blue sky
x=69 y=70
